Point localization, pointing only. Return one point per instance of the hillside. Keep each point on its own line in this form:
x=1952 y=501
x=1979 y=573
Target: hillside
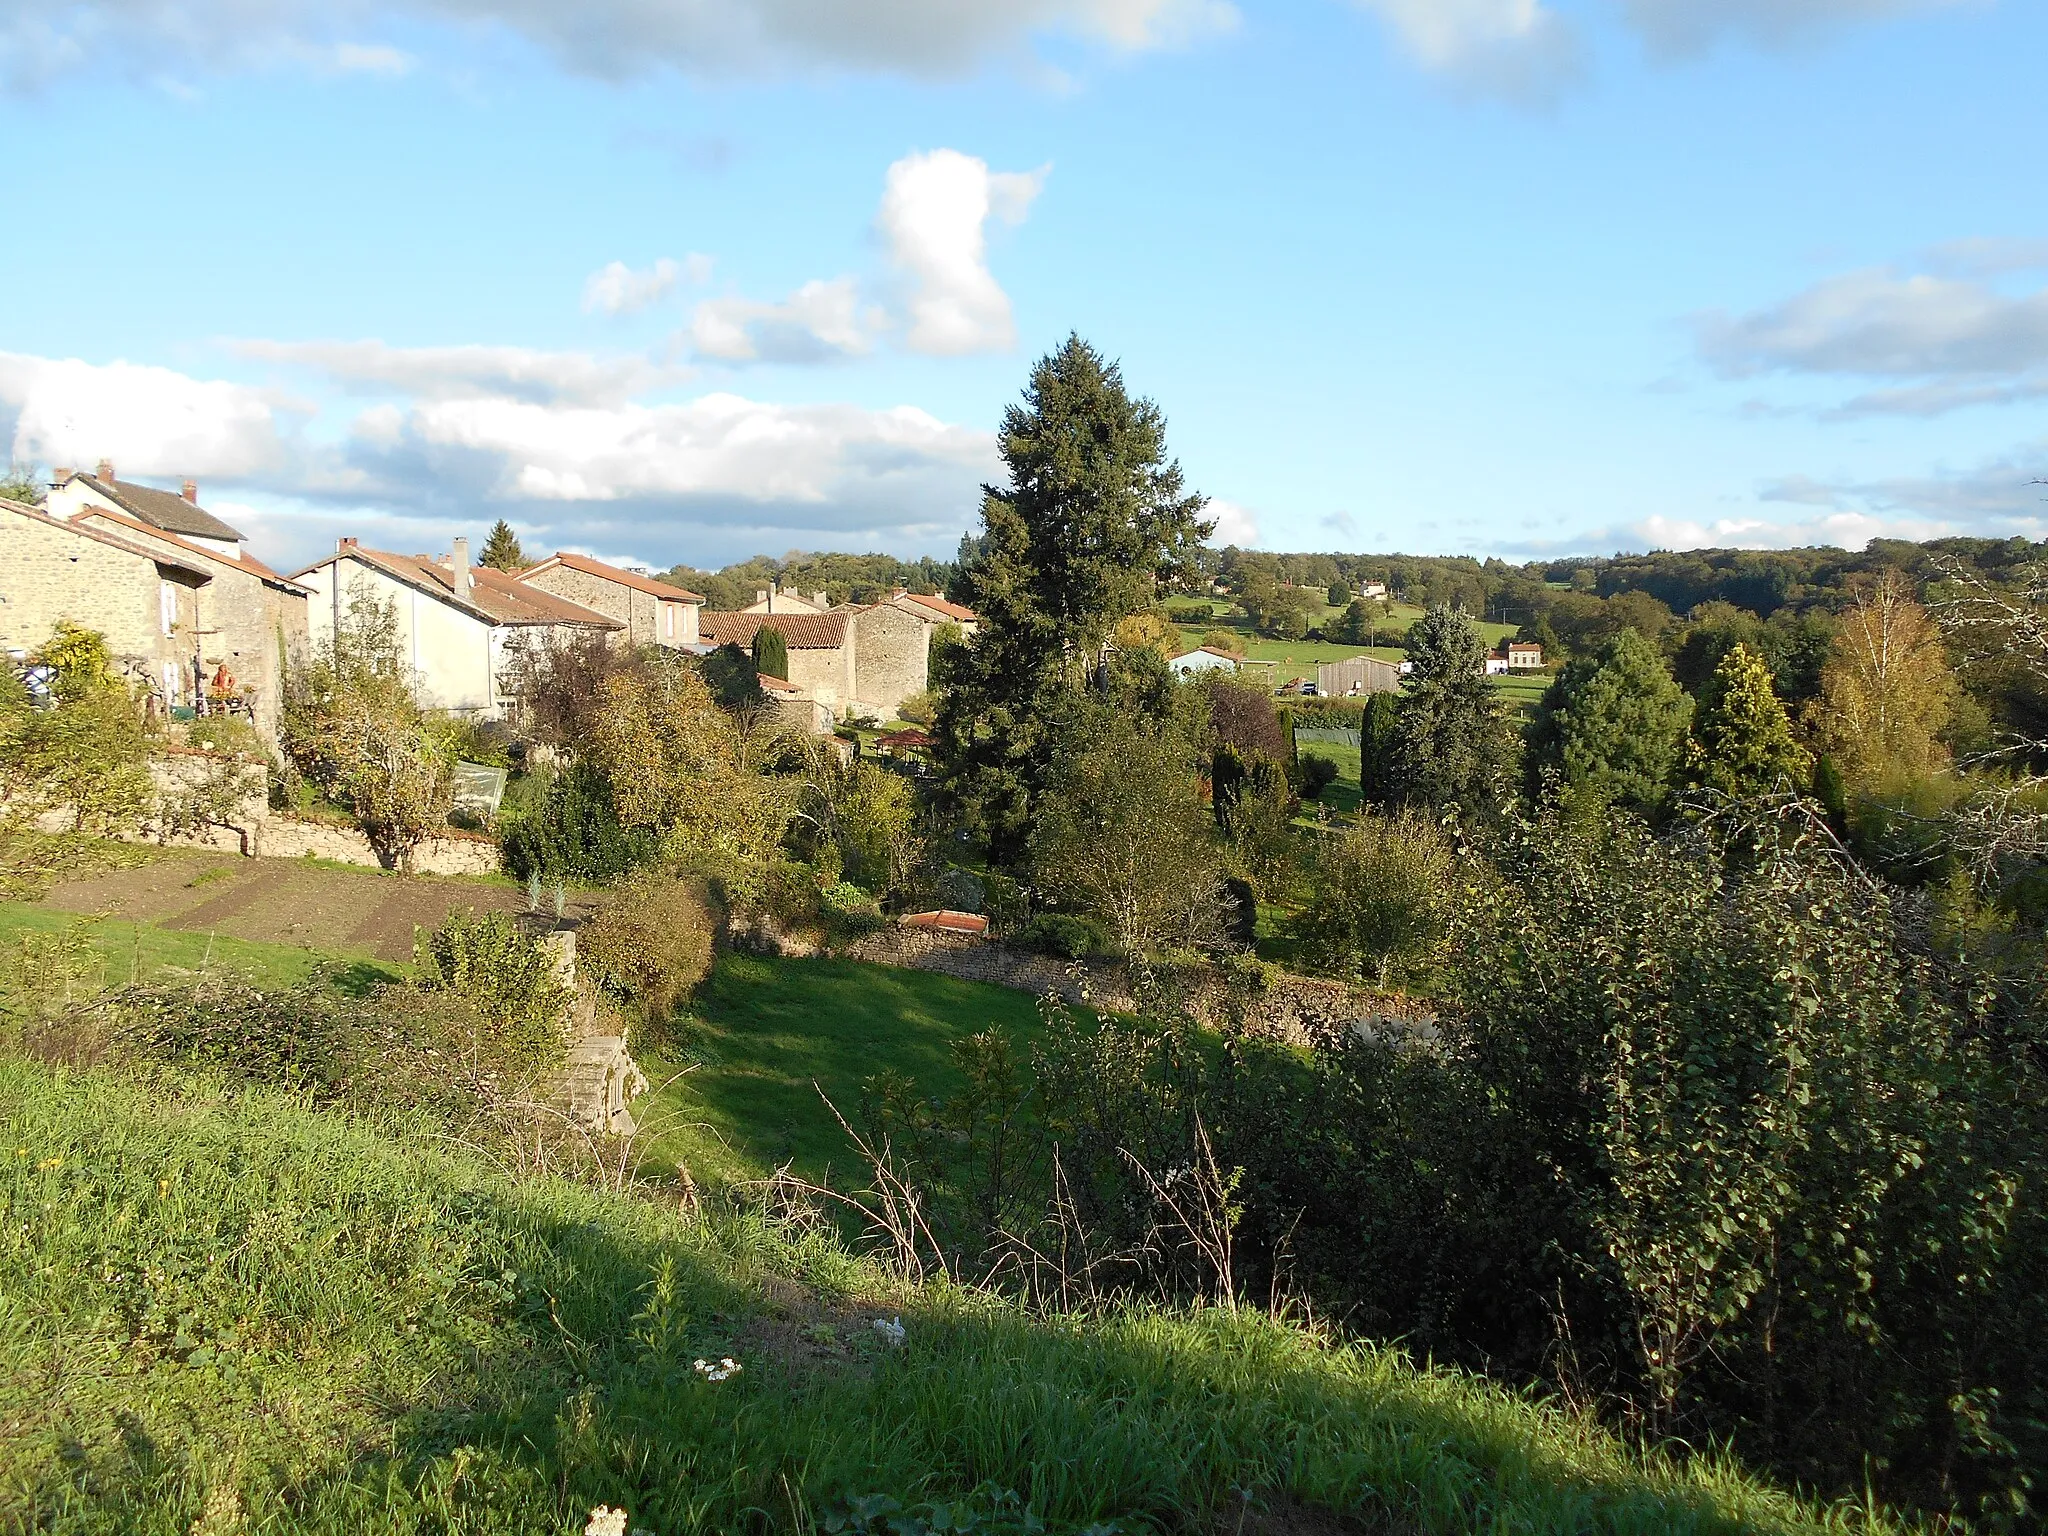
x=225 y=1312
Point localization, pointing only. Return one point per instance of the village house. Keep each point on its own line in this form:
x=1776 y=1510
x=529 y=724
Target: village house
x=145 y=603
x=463 y=627
x=936 y=610
x=772 y=599
x=247 y=620
x=867 y=659
x=1524 y=656
x=653 y=612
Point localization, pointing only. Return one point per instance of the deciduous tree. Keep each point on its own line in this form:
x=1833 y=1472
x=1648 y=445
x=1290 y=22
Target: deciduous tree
x=1886 y=693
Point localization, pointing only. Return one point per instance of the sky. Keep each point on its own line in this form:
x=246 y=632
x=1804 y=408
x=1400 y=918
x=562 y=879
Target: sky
x=681 y=281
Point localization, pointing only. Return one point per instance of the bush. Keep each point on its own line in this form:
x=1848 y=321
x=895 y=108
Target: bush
x=848 y=910
x=649 y=942
x=1062 y=933
x=572 y=831
x=1380 y=910
x=485 y=742
x=507 y=977
x=789 y=893
x=1312 y=775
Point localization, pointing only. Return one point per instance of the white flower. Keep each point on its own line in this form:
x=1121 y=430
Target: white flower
x=725 y=1367
x=606 y=1521
x=891 y=1329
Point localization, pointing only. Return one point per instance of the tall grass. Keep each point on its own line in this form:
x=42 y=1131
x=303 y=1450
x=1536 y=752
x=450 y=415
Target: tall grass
x=222 y=1311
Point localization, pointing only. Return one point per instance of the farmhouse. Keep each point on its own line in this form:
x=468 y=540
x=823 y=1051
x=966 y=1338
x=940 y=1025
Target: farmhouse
x=863 y=658
x=1357 y=676
x=653 y=612
x=1524 y=657
x=463 y=626
x=935 y=610
x=72 y=493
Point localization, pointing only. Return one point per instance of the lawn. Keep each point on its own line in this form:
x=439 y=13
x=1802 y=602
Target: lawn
x=766 y=1035
x=227 y=1312
x=131 y=952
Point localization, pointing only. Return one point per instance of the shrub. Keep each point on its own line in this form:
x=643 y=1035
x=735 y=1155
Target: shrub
x=505 y=975
x=649 y=942
x=849 y=910
x=573 y=832
x=1312 y=775
x=921 y=708
x=1062 y=933
x=1379 y=912
x=789 y=893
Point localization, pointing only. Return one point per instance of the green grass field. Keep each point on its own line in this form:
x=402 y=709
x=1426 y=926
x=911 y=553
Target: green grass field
x=765 y=1036
x=222 y=1312
x=133 y=952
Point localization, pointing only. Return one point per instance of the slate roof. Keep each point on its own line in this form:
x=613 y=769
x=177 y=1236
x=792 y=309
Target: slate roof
x=590 y=567
x=497 y=596
x=163 y=509
x=800 y=631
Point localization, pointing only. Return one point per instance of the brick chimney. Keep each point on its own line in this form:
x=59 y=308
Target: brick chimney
x=106 y=471
x=192 y=492
x=59 y=478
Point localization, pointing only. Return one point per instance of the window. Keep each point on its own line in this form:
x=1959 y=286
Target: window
x=167 y=605
x=670 y=610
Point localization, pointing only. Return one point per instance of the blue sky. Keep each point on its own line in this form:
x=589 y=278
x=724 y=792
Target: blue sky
x=684 y=280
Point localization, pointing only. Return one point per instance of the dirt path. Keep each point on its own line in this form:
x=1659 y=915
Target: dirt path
x=283 y=901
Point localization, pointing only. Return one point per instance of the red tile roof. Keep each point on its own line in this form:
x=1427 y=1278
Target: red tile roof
x=244 y=562
x=947 y=922
x=800 y=631
x=904 y=739
x=776 y=684
x=590 y=567
x=498 y=595
x=952 y=611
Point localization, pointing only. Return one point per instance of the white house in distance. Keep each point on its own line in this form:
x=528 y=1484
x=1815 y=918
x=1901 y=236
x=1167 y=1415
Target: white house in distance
x=1515 y=656
x=461 y=624
x=1203 y=658
x=653 y=612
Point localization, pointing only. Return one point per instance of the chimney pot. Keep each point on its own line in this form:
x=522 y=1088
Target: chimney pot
x=192 y=492
x=106 y=471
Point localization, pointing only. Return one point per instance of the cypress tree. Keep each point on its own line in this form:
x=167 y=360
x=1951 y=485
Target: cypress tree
x=1742 y=739
x=771 y=652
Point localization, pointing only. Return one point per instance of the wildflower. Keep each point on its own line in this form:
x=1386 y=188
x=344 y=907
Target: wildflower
x=51 y=1162
x=725 y=1367
x=891 y=1329
x=606 y=1521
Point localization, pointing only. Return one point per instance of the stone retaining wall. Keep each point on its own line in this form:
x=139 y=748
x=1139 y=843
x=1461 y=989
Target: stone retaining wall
x=1302 y=1010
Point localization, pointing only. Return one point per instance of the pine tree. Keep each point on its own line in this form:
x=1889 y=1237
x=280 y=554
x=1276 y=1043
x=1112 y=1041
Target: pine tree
x=771 y=652
x=1614 y=724
x=1452 y=741
x=1094 y=519
x=1742 y=739
x=501 y=549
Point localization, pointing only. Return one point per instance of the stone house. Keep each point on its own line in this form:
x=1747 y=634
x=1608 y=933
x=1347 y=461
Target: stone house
x=869 y=659
x=1524 y=656
x=653 y=612
x=935 y=610
x=463 y=626
x=251 y=622
x=145 y=602
x=72 y=493
x=772 y=599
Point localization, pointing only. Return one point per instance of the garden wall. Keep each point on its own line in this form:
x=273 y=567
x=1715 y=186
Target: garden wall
x=1302 y=1010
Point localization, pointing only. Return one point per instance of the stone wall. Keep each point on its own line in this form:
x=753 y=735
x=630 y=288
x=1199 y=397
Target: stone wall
x=452 y=853
x=890 y=656
x=639 y=611
x=1303 y=1010
x=50 y=571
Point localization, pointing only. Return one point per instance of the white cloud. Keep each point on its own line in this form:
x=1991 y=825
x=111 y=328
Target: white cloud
x=1235 y=523
x=820 y=322
x=370 y=59
x=523 y=373
x=612 y=38
x=150 y=421
x=617 y=289
x=1514 y=47
x=1878 y=322
x=933 y=223
x=1688 y=26
x=1989 y=256
x=707 y=480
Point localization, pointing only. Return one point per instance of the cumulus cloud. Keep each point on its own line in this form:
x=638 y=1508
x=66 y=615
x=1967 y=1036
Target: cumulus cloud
x=1879 y=322
x=149 y=420
x=820 y=322
x=522 y=373
x=1235 y=523
x=617 y=289
x=609 y=38
x=705 y=480
x=1529 y=49
x=933 y=223
x=1514 y=47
